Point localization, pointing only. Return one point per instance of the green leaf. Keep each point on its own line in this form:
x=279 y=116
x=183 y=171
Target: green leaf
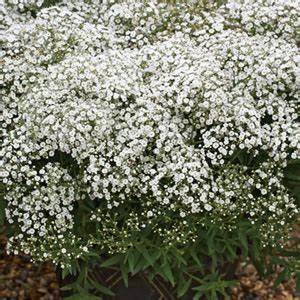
x=166 y=270
x=197 y=279
x=256 y=257
x=93 y=254
x=183 y=286
x=298 y=282
x=146 y=254
x=292 y=172
x=197 y=296
x=212 y=245
x=280 y=277
x=203 y=287
x=131 y=261
x=65 y=272
x=67 y=287
x=2 y=211
x=295 y=254
x=231 y=252
x=293 y=162
x=213 y=295
x=124 y=271
x=196 y=259
x=114 y=260
x=102 y=289
x=179 y=257
x=156 y=254
x=244 y=243
x=295 y=191
x=141 y=265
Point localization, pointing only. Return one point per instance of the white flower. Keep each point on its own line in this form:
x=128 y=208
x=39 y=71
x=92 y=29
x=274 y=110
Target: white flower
x=208 y=207
x=149 y=214
x=113 y=103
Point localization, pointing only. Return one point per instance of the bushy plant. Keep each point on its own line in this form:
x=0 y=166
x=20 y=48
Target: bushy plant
x=164 y=137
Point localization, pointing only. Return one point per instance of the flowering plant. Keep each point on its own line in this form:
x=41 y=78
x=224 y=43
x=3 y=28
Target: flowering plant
x=147 y=130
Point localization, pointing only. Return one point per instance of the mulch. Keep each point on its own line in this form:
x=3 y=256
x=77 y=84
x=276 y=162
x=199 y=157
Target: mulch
x=252 y=287
x=20 y=279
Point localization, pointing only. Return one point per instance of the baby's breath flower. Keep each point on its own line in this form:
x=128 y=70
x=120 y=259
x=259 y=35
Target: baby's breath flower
x=163 y=115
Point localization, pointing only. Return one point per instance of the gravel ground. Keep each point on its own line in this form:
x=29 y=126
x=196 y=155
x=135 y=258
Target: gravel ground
x=21 y=280
x=252 y=287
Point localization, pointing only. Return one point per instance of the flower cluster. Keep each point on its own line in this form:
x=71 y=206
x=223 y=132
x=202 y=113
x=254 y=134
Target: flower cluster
x=160 y=115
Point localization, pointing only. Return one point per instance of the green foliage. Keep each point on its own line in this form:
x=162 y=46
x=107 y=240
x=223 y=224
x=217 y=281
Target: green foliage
x=205 y=266
x=292 y=178
x=2 y=204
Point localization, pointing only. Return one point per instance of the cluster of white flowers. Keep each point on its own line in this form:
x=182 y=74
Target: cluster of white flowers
x=168 y=108
x=279 y=18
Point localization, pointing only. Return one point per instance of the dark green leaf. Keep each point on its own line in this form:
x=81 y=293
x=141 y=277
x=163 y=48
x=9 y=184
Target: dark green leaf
x=197 y=296
x=65 y=272
x=244 y=243
x=146 y=254
x=124 y=271
x=102 y=289
x=280 y=277
x=196 y=259
x=232 y=253
x=292 y=172
x=141 y=265
x=179 y=257
x=298 y=282
x=2 y=211
x=114 y=260
x=131 y=261
x=67 y=287
x=183 y=286
x=166 y=269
